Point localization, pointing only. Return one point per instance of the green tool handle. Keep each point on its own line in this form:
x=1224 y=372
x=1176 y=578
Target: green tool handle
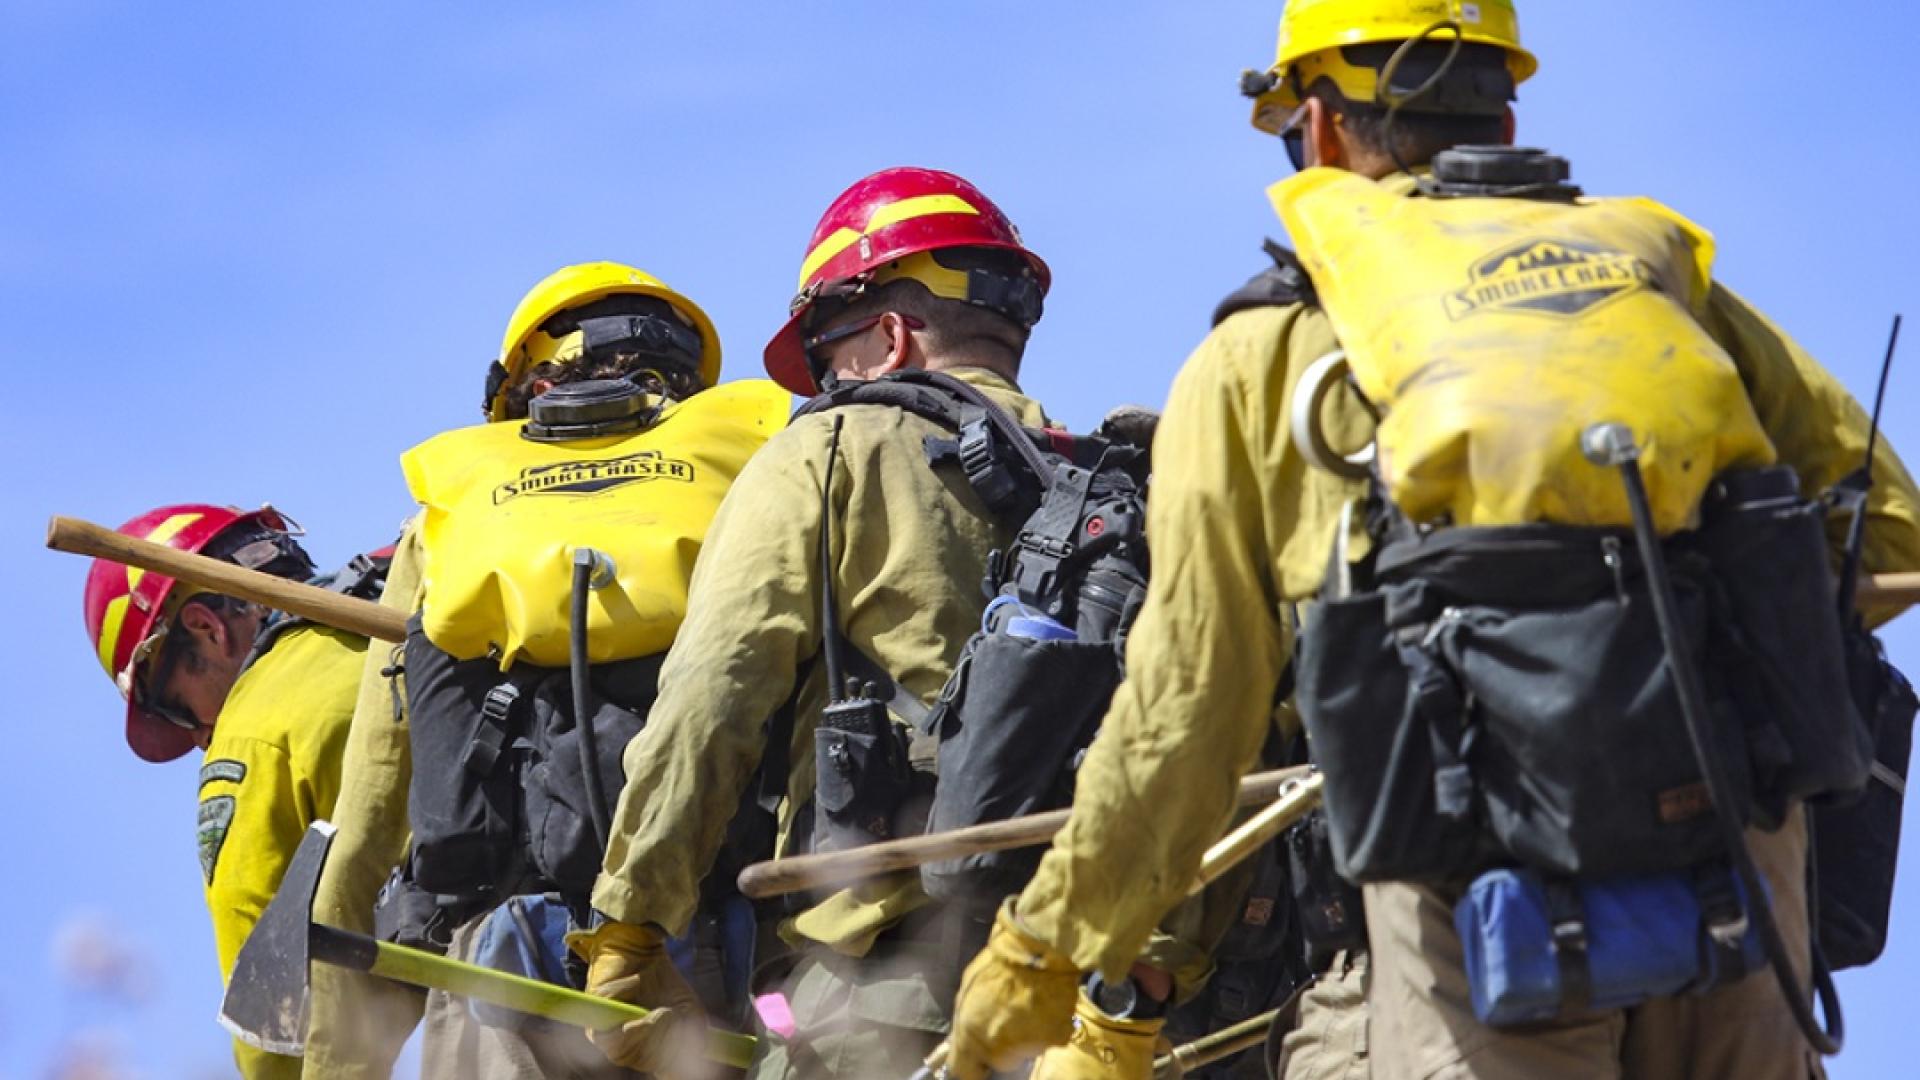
x=564 y=1004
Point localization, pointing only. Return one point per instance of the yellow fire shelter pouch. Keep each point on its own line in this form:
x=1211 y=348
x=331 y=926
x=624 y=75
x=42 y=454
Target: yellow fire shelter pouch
x=1491 y=332
x=503 y=515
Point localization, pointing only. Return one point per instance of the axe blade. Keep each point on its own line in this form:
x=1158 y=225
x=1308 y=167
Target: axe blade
x=266 y=1002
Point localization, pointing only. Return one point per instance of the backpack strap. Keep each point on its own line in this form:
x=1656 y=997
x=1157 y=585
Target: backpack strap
x=1283 y=284
x=363 y=578
x=991 y=446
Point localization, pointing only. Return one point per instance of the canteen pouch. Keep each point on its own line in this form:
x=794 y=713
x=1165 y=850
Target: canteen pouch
x=1012 y=722
x=1537 y=948
x=1458 y=710
x=1856 y=845
x=560 y=833
x=1779 y=642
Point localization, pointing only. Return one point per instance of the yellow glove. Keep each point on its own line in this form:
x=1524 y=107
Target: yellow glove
x=1102 y=1048
x=1016 y=999
x=630 y=963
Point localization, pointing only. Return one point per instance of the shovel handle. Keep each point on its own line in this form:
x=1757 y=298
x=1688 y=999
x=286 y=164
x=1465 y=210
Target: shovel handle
x=363 y=617
x=834 y=869
x=1296 y=799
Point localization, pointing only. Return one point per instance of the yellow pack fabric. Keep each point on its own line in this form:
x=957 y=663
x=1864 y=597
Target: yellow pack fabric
x=502 y=516
x=1492 y=332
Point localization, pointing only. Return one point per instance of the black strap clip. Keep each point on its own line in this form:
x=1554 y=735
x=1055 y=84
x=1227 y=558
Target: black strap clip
x=484 y=751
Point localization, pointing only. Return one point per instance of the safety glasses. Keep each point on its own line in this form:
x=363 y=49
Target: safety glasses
x=1293 y=135
x=854 y=328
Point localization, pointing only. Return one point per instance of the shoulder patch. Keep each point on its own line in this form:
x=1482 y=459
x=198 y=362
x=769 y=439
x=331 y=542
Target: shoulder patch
x=1282 y=284
x=223 y=769
x=216 y=815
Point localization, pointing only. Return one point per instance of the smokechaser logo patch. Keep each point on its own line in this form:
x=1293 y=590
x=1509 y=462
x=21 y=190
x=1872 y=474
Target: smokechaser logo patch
x=1548 y=277
x=593 y=477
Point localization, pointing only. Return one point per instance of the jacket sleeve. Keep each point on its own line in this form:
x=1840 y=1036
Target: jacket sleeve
x=751 y=615
x=357 y=1023
x=1820 y=430
x=1203 y=662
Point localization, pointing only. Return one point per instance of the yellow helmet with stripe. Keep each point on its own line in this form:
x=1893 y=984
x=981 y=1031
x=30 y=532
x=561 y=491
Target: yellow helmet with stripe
x=905 y=222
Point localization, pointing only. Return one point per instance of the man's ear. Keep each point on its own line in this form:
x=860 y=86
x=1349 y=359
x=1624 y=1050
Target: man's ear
x=205 y=631
x=1508 y=125
x=1323 y=136
x=902 y=350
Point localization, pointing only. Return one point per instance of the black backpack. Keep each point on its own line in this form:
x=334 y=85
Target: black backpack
x=1031 y=686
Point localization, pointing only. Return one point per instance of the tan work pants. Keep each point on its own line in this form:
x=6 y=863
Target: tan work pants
x=1329 y=1042
x=1424 y=1027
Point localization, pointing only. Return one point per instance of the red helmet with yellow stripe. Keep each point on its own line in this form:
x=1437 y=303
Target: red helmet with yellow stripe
x=886 y=226
x=128 y=609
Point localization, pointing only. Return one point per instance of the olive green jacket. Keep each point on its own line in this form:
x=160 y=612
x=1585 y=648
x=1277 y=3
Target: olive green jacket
x=909 y=552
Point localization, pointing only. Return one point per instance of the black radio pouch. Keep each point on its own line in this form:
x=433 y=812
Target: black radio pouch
x=861 y=773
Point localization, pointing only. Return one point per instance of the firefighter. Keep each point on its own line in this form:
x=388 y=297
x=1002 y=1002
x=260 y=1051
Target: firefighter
x=606 y=438
x=267 y=698
x=1246 y=518
x=909 y=270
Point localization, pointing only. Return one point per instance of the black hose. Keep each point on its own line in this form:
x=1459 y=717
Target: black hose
x=597 y=812
x=1693 y=707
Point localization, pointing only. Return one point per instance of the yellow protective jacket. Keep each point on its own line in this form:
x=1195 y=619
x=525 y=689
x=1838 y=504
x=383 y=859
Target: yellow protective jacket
x=271 y=769
x=1242 y=526
x=356 y=1023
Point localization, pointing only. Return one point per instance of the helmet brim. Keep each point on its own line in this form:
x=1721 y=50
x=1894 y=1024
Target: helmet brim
x=155 y=739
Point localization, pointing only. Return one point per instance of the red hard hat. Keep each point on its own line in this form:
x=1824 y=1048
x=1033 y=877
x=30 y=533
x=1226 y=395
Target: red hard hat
x=126 y=608
x=886 y=217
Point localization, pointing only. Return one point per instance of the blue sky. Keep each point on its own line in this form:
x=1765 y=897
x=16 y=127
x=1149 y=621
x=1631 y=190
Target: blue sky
x=253 y=252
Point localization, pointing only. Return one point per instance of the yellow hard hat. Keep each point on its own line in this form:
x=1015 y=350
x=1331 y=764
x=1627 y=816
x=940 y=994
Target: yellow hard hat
x=574 y=286
x=1312 y=33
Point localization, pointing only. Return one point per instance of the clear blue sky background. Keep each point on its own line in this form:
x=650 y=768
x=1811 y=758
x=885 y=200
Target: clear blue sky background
x=252 y=252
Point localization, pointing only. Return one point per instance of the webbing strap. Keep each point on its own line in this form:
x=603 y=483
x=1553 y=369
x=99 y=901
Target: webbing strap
x=1568 y=919
x=491 y=734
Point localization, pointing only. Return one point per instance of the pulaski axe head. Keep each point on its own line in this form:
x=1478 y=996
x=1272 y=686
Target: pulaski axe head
x=266 y=1002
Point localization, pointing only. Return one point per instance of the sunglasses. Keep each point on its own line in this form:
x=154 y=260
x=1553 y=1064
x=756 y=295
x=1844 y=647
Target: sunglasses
x=1293 y=135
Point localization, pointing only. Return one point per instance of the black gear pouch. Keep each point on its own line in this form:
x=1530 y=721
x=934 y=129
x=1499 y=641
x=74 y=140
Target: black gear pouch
x=1856 y=846
x=1355 y=698
x=1503 y=695
x=560 y=834
x=1779 y=642
x=1012 y=722
x=466 y=728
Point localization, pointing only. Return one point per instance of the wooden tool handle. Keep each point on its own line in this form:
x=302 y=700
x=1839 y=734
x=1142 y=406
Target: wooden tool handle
x=782 y=876
x=348 y=613
x=1890 y=589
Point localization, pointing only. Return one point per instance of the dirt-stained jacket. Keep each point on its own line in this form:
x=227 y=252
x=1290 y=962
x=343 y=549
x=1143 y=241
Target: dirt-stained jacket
x=909 y=552
x=1241 y=525
x=357 y=1023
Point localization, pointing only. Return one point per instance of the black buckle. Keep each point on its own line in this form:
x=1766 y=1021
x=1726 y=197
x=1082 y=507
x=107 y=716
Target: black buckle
x=484 y=751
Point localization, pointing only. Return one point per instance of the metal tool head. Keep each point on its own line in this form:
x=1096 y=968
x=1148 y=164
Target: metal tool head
x=266 y=1002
